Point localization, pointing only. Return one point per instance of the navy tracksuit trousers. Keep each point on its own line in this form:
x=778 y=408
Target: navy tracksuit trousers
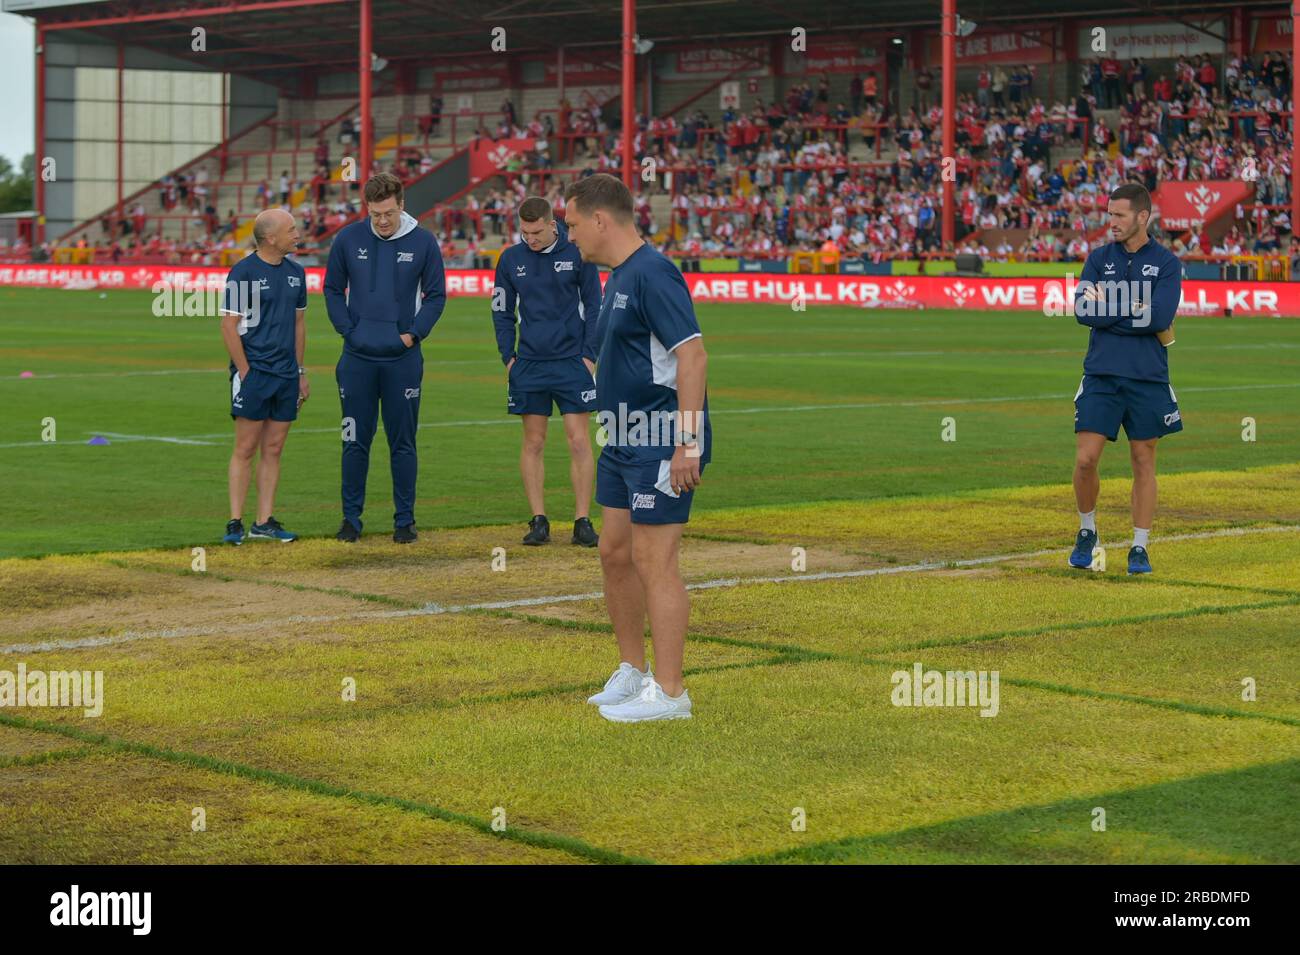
x=366 y=387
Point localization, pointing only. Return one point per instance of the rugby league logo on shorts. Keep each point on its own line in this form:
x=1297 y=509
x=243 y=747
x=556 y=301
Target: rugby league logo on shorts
x=412 y=392
x=643 y=502
x=589 y=395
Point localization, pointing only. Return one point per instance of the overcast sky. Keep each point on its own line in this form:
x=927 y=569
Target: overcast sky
x=17 y=74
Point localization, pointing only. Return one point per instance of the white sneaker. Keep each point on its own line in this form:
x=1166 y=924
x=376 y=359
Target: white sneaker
x=652 y=703
x=624 y=685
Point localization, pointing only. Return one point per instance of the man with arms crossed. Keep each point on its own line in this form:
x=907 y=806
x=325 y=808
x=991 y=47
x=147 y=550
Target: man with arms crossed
x=264 y=327
x=384 y=291
x=650 y=388
x=558 y=296
x=1128 y=294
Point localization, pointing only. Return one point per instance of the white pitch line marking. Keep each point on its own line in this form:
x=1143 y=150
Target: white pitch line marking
x=778 y=409
x=433 y=609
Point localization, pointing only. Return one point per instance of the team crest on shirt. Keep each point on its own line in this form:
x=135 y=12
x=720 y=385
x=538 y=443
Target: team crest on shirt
x=1150 y=270
x=643 y=502
x=564 y=265
x=405 y=256
x=620 y=301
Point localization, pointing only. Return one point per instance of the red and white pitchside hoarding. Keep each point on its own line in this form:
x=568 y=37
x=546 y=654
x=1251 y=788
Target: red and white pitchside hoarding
x=885 y=291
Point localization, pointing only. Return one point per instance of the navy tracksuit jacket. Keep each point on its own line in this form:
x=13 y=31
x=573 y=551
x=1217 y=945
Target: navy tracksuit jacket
x=375 y=290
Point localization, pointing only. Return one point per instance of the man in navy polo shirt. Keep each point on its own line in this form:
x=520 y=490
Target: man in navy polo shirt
x=1128 y=295
x=558 y=299
x=653 y=413
x=263 y=325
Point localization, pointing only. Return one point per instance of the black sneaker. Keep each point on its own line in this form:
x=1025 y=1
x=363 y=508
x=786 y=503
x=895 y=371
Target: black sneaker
x=405 y=535
x=348 y=532
x=584 y=533
x=234 y=532
x=539 y=530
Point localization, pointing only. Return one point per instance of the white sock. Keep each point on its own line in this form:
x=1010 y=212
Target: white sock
x=1088 y=522
x=1140 y=535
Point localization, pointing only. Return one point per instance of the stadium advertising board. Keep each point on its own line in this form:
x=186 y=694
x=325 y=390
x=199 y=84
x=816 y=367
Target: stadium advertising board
x=885 y=292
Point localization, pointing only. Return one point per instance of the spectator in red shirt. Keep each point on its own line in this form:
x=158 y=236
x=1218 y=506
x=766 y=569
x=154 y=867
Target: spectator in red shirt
x=1206 y=76
x=1110 y=81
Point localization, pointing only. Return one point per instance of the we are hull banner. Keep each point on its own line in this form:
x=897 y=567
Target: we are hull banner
x=869 y=292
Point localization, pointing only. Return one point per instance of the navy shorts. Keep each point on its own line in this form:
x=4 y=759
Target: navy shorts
x=1147 y=409
x=262 y=395
x=642 y=488
x=535 y=385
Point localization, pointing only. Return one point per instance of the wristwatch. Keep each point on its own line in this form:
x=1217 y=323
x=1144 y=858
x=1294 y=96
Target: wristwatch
x=687 y=437
x=302 y=370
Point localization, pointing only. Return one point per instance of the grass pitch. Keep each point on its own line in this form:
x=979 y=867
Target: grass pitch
x=468 y=739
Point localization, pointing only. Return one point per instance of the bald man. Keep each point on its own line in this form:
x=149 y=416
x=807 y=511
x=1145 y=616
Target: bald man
x=264 y=327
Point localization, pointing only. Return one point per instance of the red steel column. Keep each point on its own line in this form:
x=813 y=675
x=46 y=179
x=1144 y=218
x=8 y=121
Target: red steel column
x=38 y=234
x=1295 y=106
x=225 y=125
x=367 y=131
x=121 y=62
x=629 y=88
x=949 y=80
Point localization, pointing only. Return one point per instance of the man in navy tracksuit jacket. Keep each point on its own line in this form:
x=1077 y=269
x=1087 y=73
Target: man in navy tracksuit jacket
x=1128 y=295
x=384 y=290
x=558 y=299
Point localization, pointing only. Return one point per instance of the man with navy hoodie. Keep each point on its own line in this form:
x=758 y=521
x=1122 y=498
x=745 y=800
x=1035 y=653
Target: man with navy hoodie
x=1128 y=295
x=384 y=291
x=558 y=299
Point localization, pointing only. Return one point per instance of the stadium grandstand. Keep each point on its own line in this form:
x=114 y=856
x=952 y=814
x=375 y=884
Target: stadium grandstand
x=901 y=136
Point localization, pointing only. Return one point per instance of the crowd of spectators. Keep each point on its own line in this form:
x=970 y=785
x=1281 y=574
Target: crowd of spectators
x=808 y=172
